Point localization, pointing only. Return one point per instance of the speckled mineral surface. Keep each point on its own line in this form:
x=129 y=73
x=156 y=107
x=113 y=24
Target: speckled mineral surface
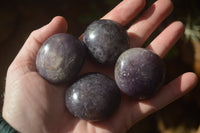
x=93 y=97
x=60 y=58
x=139 y=73
x=105 y=40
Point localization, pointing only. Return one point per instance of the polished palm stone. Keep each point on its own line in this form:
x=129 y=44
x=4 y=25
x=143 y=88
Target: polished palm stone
x=139 y=73
x=60 y=58
x=105 y=40
x=93 y=97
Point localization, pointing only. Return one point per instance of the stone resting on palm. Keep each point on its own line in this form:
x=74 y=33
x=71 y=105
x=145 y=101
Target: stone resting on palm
x=32 y=105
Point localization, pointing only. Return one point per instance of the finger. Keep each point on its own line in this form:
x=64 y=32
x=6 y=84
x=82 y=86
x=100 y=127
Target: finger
x=149 y=21
x=37 y=37
x=167 y=38
x=25 y=60
x=125 y=11
x=169 y=93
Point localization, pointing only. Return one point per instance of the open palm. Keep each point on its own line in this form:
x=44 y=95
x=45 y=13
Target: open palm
x=32 y=104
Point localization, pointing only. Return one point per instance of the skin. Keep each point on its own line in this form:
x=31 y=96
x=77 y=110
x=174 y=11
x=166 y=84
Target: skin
x=33 y=105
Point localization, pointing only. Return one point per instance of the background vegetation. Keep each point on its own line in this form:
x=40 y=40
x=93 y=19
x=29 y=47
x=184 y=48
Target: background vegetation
x=19 y=18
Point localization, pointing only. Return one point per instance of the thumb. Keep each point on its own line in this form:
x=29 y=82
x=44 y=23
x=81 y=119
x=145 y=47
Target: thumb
x=25 y=60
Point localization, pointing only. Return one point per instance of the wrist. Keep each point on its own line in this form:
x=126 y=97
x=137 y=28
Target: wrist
x=5 y=127
x=17 y=113
x=23 y=124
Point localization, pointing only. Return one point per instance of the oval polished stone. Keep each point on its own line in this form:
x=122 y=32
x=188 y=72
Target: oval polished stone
x=93 y=97
x=139 y=73
x=105 y=40
x=60 y=58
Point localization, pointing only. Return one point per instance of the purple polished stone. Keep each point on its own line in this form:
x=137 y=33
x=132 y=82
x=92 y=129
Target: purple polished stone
x=60 y=58
x=105 y=40
x=139 y=73
x=93 y=97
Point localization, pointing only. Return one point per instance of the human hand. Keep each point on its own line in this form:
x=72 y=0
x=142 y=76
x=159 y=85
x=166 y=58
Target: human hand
x=31 y=104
